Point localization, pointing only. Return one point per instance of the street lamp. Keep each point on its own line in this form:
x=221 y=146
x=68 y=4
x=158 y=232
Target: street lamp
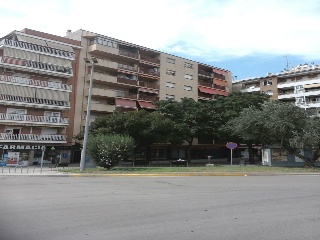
x=86 y=128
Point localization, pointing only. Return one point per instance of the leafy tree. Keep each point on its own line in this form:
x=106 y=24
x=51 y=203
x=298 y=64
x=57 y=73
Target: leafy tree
x=190 y=117
x=224 y=109
x=284 y=124
x=108 y=150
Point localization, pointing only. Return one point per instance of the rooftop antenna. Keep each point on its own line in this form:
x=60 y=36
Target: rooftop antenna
x=287 y=62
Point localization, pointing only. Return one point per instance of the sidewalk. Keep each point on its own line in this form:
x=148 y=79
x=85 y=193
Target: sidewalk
x=33 y=170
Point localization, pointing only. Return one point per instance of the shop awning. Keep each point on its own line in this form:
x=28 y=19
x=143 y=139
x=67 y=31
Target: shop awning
x=125 y=103
x=312 y=85
x=146 y=105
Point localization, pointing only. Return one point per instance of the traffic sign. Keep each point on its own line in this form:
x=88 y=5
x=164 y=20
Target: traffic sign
x=231 y=145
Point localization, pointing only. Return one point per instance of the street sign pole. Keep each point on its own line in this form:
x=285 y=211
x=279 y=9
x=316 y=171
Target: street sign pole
x=231 y=146
x=231 y=156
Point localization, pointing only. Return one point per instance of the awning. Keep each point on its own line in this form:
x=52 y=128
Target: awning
x=125 y=103
x=148 y=90
x=52 y=94
x=60 y=46
x=28 y=39
x=17 y=90
x=220 y=82
x=312 y=85
x=206 y=90
x=20 y=54
x=212 y=91
x=146 y=105
x=55 y=61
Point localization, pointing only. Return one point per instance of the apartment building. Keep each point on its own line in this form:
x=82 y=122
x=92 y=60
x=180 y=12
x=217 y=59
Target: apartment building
x=37 y=75
x=131 y=77
x=299 y=85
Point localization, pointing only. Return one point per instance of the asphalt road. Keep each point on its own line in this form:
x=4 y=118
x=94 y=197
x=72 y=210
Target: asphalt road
x=154 y=208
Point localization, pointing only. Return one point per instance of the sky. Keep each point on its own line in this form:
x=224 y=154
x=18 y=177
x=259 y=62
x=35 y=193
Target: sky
x=247 y=37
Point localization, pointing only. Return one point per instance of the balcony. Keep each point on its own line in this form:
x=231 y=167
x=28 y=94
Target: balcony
x=128 y=53
x=106 y=78
x=37 y=48
x=102 y=50
x=33 y=102
x=37 y=83
x=102 y=63
x=219 y=87
x=33 y=66
x=251 y=89
x=32 y=138
x=127 y=67
x=126 y=95
x=127 y=81
x=148 y=98
x=100 y=92
x=149 y=60
x=206 y=96
x=149 y=85
x=219 y=76
x=204 y=73
x=203 y=83
x=99 y=107
x=150 y=72
x=33 y=120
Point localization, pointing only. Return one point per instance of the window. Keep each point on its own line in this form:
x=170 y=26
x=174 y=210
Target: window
x=188 y=76
x=170 y=72
x=187 y=88
x=188 y=65
x=171 y=60
x=267 y=82
x=170 y=85
x=169 y=97
x=13 y=130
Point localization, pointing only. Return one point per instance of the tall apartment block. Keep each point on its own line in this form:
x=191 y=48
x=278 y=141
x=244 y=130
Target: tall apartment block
x=132 y=77
x=37 y=76
x=299 y=85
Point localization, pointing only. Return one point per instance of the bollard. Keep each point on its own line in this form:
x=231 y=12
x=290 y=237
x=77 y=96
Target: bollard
x=15 y=169
x=34 y=168
x=27 y=169
x=9 y=169
x=2 y=168
x=21 y=169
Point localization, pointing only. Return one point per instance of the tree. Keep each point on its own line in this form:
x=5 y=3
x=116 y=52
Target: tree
x=224 y=109
x=190 y=117
x=108 y=150
x=284 y=124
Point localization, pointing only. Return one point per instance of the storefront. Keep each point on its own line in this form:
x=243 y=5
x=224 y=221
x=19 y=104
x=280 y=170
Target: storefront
x=24 y=155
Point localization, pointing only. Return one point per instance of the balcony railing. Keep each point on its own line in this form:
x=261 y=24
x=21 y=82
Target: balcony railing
x=38 y=48
x=205 y=95
x=150 y=59
x=32 y=137
x=128 y=53
x=149 y=85
x=37 y=65
x=219 y=76
x=128 y=67
x=127 y=81
x=151 y=71
x=27 y=81
x=34 y=119
x=205 y=73
x=219 y=87
x=126 y=95
x=148 y=98
x=34 y=101
x=203 y=83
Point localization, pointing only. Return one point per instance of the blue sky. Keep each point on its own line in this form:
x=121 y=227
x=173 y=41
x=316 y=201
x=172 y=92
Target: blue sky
x=247 y=37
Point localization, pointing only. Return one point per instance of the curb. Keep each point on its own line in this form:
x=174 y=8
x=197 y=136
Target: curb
x=158 y=175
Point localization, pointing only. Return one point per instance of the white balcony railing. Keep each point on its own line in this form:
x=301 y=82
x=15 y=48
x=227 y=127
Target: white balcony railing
x=32 y=82
x=5 y=117
x=32 y=137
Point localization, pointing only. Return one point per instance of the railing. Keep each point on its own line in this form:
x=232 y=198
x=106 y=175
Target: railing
x=203 y=83
x=150 y=59
x=151 y=71
x=27 y=81
x=148 y=98
x=219 y=87
x=32 y=118
x=34 y=100
x=32 y=137
x=205 y=95
x=219 y=76
x=128 y=53
x=202 y=72
x=126 y=95
x=149 y=85
x=127 y=81
x=128 y=67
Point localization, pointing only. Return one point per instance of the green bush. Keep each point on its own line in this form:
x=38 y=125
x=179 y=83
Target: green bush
x=108 y=150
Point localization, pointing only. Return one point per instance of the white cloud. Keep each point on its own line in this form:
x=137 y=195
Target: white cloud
x=213 y=29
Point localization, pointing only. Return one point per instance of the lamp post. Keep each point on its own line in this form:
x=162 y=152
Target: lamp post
x=86 y=128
